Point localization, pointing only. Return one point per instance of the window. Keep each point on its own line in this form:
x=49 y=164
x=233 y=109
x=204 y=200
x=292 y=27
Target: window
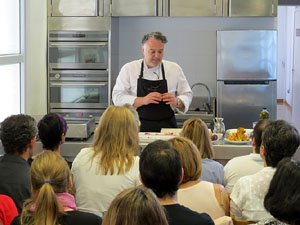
x=11 y=56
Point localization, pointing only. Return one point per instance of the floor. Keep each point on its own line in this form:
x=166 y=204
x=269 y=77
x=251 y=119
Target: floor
x=284 y=112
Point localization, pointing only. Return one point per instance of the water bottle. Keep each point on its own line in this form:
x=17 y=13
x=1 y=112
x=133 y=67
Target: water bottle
x=264 y=114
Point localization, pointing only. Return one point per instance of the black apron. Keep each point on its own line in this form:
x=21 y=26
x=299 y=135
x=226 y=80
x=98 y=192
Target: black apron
x=153 y=117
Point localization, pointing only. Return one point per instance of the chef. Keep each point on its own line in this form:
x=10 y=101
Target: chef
x=154 y=86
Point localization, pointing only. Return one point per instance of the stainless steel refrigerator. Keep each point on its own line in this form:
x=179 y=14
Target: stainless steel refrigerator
x=246 y=76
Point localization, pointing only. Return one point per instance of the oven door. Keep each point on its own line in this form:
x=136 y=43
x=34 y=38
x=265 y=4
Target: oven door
x=78 y=95
x=78 y=55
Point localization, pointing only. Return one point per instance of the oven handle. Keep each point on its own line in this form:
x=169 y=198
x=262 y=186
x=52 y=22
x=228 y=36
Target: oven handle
x=78 y=44
x=77 y=84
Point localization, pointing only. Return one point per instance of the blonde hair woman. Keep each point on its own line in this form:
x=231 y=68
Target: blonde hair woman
x=196 y=130
x=50 y=203
x=109 y=166
x=200 y=196
x=135 y=206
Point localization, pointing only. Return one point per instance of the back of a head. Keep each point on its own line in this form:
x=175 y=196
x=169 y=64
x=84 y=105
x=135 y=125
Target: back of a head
x=16 y=133
x=116 y=137
x=135 y=206
x=257 y=133
x=190 y=157
x=196 y=130
x=51 y=128
x=134 y=113
x=280 y=139
x=161 y=168
x=49 y=175
x=283 y=197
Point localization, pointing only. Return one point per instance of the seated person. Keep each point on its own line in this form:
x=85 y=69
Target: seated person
x=247 y=164
x=50 y=203
x=110 y=166
x=135 y=206
x=161 y=170
x=8 y=210
x=197 y=195
x=283 y=197
x=18 y=137
x=196 y=130
x=52 y=132
x=279 y=140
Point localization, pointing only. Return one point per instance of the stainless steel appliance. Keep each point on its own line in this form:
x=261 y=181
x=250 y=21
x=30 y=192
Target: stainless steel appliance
x=78 y=76
x=80 y=128
x=246 y=75
x=78 y=50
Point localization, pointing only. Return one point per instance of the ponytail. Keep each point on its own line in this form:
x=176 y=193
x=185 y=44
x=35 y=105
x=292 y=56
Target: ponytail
x=49 y=175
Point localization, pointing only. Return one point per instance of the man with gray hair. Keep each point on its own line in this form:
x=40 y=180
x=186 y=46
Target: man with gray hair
x=154 y=86
x=18 y=137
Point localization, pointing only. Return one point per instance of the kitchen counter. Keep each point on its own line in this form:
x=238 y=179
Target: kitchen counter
x=223 y=152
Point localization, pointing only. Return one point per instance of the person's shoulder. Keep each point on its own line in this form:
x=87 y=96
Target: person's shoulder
x=212 y=163
x=189 y=215
x=170 y=64
x=78 y=217
x=132 y=63
x=236 y=160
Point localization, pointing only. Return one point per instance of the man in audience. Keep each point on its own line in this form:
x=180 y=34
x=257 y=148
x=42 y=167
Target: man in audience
x=248 y=164
x=279 y=140
x=161 y=171
x=18 y=137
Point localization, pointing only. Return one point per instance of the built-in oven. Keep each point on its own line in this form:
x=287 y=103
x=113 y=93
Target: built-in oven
x=78 y=89
x=78 y=73
x=78 y=49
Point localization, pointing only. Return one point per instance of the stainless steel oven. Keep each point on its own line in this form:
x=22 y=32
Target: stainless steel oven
x=78 y=89
x=78 y=49
x=78 y=73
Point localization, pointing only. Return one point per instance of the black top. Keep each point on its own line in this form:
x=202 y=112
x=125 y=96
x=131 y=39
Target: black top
x=179 y=215
x=15 y=179
x=73 y=218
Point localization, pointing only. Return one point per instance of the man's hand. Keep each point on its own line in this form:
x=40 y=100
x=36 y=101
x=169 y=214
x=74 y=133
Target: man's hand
x=153 y=97
x=169 y=99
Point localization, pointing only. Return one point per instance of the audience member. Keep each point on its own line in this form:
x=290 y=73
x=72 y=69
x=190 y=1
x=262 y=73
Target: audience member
x=8 y=210
x=283 y=197
x=18 y=137
x=52 y=132
x=161 y=171
x=50 y=203
x=197 y=195
x=135 y=206
x=196 y=130
x=109 y=166
x=248 y=164
x=279 y=140
x=134 y=112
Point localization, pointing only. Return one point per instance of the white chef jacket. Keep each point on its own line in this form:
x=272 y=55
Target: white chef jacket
x=125 y=89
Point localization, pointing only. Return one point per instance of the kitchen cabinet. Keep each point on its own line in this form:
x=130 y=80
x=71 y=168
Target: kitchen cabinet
x=194 y=7
x=249 y=8
x=136 y=8
x=76 y=8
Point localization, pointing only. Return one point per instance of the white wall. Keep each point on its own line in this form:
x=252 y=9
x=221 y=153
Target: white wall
x=35 y=58
x=192 y=41
x=282 y=53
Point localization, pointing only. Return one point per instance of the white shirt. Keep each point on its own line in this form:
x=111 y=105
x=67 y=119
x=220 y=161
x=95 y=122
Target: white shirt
x=125 y=89
x=247 y=197
x=95 y=192
x=241 y=166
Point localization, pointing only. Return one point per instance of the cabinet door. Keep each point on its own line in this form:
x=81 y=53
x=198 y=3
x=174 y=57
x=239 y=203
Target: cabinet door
x=134 y=7
x=253 y=7
x=195 y=8
x=76 y=7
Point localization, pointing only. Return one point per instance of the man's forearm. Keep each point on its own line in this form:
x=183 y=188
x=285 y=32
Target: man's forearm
x=138 y=102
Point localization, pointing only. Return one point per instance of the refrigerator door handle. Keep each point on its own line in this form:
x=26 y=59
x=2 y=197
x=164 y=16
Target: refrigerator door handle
x=247 y=82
